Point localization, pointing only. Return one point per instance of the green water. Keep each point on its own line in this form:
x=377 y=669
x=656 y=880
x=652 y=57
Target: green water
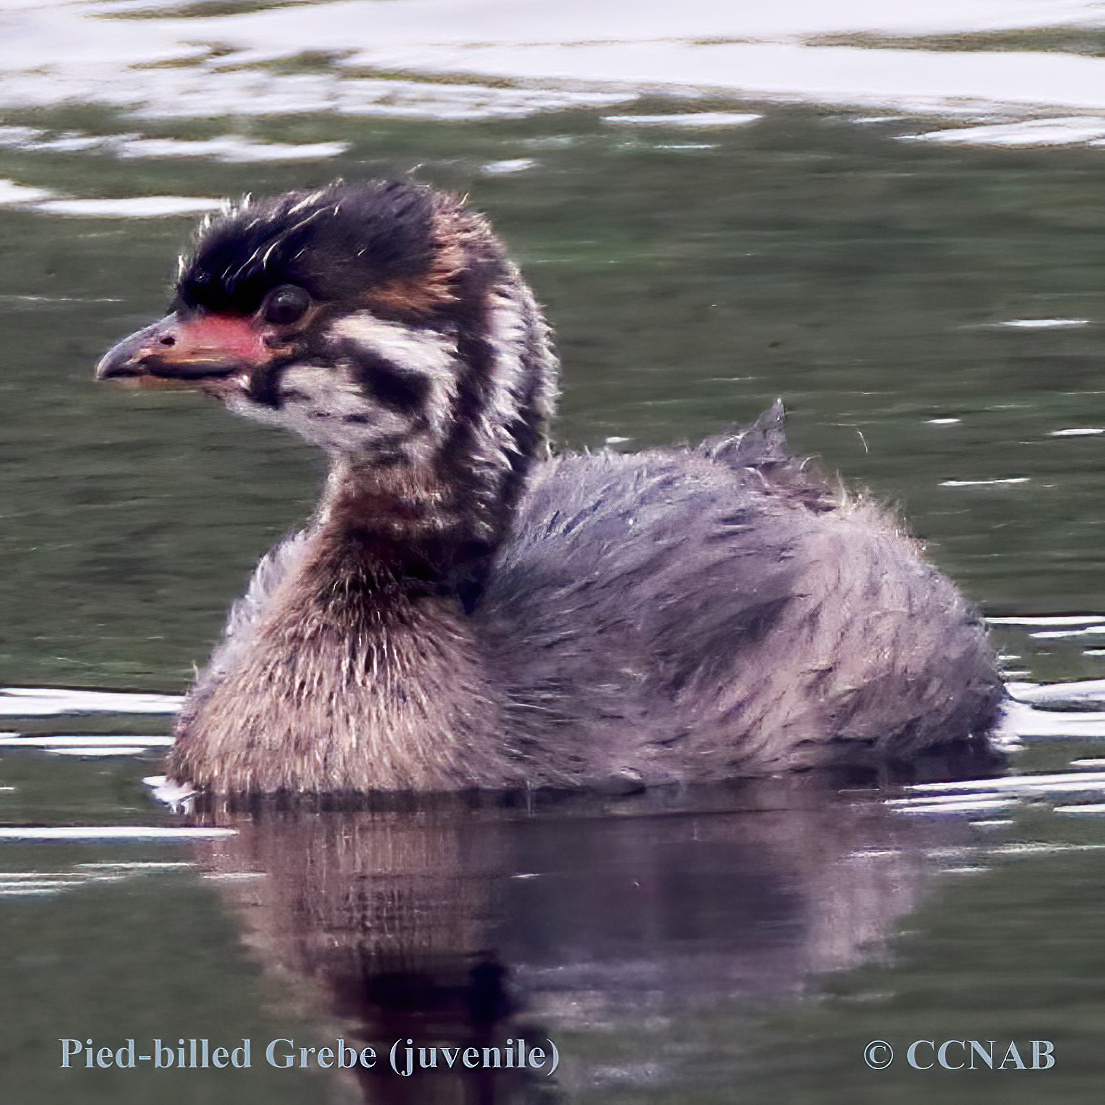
x=806 y=257
x=864 y=280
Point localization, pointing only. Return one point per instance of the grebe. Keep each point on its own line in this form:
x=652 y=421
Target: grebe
x=466 y=609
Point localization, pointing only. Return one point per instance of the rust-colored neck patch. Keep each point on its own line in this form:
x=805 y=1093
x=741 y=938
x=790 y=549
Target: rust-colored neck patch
x=400 y=503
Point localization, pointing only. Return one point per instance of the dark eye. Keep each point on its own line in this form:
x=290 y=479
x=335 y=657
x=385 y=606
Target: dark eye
x=285 y=305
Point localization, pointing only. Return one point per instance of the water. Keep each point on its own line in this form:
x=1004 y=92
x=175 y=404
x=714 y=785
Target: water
x=924 y=290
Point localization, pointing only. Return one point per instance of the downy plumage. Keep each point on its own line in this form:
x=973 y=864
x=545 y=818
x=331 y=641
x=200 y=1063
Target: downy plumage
x=465 y=609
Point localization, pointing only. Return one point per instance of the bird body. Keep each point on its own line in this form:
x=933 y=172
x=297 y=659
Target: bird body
x=466 y=610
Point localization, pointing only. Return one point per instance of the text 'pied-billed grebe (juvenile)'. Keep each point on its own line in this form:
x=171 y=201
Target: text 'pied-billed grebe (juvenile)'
x=465 y=610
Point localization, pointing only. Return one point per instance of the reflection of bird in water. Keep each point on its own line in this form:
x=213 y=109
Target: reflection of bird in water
x=455 y=923
x=462 y=611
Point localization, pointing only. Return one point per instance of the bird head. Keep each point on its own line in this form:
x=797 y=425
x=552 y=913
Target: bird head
x=382 y=321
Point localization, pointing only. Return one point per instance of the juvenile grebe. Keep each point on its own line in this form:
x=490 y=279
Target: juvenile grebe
x=465 y=610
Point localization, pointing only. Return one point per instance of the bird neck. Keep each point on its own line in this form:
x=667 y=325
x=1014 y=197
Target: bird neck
x=402 y=529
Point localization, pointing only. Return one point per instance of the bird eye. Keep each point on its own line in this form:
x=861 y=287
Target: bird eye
x=285 y=305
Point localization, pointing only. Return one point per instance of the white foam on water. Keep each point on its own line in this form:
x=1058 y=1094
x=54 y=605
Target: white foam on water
x=1020 y=784
x=7 y=886
x=1075 y=130
x=1048 y=619
x=951 y=799
x=57 y=52
x=521 y=22
x=101 y=751
x=109 y=833
x=510 y=165
x=689 y=119
x=48 y=701
x=1042 y=323
x=989 y=795
x=61 y=742
x=460 y=102
x=983 y=483
x=32 y=891
x=1059 y=696
x=227 y=147
x=135 y=865
x=916 y=81
x=963 y=805
x=1067 y=634
x=173 y=795
x=205 y=91
x=134 y=207
x=12 y=194
x=31 y=883
x=1032 y=848
x=1025 y=721
x=60 y=299
x=33 y=876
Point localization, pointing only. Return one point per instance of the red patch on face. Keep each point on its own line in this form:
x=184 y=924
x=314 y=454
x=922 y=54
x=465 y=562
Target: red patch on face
x=223 y=337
